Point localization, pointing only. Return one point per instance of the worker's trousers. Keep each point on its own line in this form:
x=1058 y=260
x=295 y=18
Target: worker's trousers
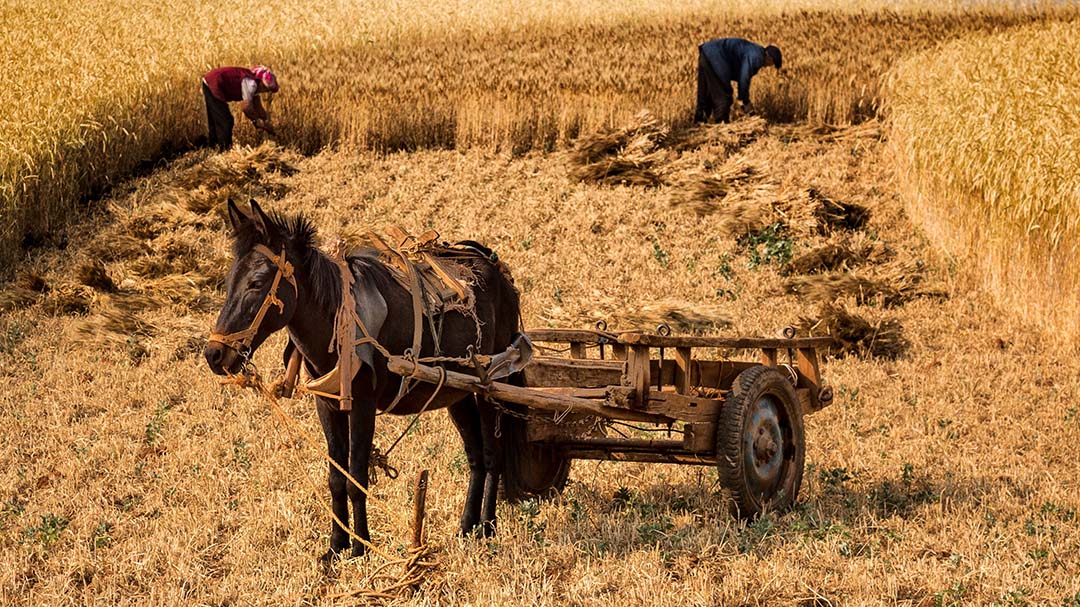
x=219 y=120
x=714 y=93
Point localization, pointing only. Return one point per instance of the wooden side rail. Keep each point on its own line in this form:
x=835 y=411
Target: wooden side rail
x=535 y=399
x=691 y=341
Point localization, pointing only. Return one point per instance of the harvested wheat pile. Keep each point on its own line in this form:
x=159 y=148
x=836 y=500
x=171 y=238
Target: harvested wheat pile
x=641 y=153
x=833 y=286
x=845 y=253
x=625 y=155
x=94 y=275
x=681 y=316
x=836 y=215
x=889 y=285
x=25 y=292
x=870 y=130
x=16 y=298
x=855 y=335
x=163 y=251
x=707 y=194
x=728 y=137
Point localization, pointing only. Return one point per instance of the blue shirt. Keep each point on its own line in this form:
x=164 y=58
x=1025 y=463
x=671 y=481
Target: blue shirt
x=735 y=59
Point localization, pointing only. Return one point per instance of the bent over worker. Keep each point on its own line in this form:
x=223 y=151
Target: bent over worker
x=228 y=84
x=722 y=61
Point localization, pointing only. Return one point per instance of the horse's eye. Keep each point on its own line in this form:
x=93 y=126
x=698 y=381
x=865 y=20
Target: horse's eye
x=256 y=284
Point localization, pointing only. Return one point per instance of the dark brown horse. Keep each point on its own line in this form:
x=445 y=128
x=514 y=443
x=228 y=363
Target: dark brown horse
x=279 y=279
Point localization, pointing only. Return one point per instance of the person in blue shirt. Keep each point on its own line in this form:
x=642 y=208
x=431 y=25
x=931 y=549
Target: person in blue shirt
x=722 y=61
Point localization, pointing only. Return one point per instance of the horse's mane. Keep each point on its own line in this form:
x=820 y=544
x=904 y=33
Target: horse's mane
x=300 y=236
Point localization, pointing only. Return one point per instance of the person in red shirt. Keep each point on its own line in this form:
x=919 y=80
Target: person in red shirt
x=229 y=84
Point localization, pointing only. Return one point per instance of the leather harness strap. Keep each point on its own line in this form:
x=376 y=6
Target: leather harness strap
x=345 y=330
x=241 y=340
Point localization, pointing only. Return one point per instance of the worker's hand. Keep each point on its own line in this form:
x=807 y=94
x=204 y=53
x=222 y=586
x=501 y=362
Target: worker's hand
x=264 y=125
x=748 y=109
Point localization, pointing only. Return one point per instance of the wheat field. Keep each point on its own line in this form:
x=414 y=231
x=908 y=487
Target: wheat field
x=986 y=129
x=943 y=474
x=93 y=91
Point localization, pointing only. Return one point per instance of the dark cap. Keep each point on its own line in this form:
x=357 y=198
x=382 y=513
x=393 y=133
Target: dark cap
x=774 y=52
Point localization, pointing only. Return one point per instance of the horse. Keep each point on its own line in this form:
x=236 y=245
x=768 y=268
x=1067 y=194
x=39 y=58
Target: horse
x=280 y=279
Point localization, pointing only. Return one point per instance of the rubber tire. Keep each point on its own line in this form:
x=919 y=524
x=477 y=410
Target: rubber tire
x=529 y=470
x=751 y=385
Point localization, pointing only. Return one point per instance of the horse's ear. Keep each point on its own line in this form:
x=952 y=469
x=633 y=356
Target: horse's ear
x=261 y=219
x=238 y=219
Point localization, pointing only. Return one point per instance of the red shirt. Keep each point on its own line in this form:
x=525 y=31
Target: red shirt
x=224 y=82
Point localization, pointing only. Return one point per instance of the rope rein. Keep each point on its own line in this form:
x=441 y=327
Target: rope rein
x=415 y=564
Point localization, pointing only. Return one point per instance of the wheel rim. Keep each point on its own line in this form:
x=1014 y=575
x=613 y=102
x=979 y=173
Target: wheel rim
x=763 y=441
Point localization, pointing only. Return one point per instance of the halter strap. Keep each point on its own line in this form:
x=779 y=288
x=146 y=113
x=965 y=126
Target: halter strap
x=241 y=340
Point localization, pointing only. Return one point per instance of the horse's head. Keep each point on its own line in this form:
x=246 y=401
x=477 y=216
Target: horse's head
x=261 y=291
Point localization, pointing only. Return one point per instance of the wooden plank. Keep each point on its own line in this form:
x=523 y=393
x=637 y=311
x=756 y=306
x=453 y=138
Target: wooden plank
x=768 y=357
x=618 y=352
x=613 y=396
x=682 y=457
x=805 y=400
x=682 y=370
x=637 y=373
x=619 y=443
x=577 y=350
x=684 y=407
x=665 y=373
x=717 y=374
x=807 y=361
x=571 y=335
x=700 y=437
x=552 y=371
x=571 y=426
x=720 y=374
x=691 y=341
x=809 y=377
x=522 y=396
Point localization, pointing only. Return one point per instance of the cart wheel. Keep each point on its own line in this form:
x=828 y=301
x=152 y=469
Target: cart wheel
x=529 y=470
x=760 y=443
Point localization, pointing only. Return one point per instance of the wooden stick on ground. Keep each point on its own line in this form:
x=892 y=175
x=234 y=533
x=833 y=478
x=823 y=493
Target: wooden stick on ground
x=418 y=509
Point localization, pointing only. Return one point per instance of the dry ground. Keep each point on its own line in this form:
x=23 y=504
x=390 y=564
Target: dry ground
x=128 y=476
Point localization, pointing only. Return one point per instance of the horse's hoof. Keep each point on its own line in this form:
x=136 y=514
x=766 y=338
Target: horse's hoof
x=358 y=549
x=328 y=557
x=469 y=528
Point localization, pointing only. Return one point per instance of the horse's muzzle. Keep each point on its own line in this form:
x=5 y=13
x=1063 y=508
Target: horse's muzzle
x=222 y=359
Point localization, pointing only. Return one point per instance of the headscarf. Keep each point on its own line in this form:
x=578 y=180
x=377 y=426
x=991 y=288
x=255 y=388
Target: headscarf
x=267 y=77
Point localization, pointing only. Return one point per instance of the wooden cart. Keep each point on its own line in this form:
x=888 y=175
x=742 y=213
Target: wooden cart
x=601 y=395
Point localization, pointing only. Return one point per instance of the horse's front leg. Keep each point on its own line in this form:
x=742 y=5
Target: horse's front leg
x=361 y=435
x=489 y=419
x=467 y=421
x=335 y=425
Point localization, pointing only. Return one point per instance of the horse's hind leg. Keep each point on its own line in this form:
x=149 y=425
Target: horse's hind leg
x=335 y=425
x=489 y=421
x=361 y=434
x=467 y=420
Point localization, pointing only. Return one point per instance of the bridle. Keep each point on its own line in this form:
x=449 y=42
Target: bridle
x=241 y=340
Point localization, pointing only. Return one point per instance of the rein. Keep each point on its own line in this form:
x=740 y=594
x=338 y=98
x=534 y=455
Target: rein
x=241 y=340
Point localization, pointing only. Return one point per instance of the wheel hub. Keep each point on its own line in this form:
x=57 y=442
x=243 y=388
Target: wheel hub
x=764 y=445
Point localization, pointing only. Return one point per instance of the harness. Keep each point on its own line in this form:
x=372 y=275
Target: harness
x=241 y=340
